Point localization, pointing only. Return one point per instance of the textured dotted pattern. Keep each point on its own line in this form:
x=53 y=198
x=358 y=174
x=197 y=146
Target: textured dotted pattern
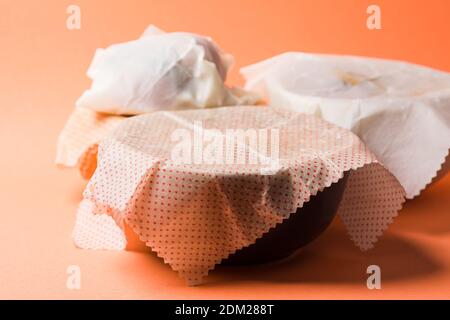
x=77 y=143
x=97 y=231
x=369 y=204
x=193 y=216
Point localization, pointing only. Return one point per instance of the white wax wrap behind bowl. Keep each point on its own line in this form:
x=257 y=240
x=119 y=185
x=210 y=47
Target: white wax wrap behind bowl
x=196 y=211
x=161 y=71
x=400 y=110
x=78 y=141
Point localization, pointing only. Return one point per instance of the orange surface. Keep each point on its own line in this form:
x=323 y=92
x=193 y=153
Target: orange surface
x=42 y=72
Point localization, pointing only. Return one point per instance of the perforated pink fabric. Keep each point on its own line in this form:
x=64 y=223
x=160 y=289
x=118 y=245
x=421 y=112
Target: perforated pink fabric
x=195 y=215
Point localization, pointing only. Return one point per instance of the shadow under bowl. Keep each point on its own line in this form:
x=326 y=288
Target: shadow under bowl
x=300 y=229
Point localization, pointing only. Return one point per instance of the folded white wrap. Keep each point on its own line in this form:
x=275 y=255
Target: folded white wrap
x=400 y=110
x=160 y=71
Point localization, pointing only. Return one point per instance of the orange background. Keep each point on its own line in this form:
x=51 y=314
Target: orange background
x=42 y=72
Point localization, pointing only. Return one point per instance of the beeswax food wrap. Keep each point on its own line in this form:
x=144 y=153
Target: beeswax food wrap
x=195 y=196
x=160 y=71
x=400 y=110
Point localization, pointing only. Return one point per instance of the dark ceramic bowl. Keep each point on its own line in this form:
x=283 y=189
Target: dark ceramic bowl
x=301 y=228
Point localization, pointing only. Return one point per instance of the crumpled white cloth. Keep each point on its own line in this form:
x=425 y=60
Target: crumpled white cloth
x=160 y=71
x=400 y=110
